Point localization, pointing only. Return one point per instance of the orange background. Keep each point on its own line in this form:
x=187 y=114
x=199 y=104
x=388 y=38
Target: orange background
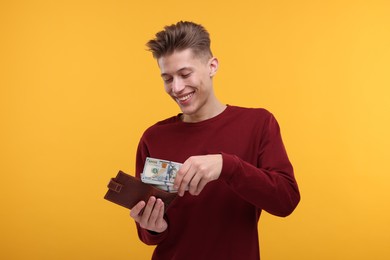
x=78 y=89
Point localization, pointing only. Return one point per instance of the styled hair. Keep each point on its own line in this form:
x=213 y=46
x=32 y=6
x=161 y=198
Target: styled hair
x=180 y=36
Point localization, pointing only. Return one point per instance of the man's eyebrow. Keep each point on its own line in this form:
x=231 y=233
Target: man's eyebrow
x=184 y=68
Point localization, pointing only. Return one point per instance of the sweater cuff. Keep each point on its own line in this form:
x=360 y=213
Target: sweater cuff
x=155 y=237
x=229 y=166
x=150 y=237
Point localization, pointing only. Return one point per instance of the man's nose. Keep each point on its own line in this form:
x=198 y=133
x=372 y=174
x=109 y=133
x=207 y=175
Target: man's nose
x=177 y=85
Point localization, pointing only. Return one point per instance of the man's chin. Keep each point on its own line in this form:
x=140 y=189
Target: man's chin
x=187 y=111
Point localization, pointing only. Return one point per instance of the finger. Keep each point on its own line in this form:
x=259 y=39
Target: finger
x=155 y=212
x=194 y=183
x=186 y=181
x=201 y=186
x=135 y=211
x=160 y=219
x=147 y=211
x=181 y=173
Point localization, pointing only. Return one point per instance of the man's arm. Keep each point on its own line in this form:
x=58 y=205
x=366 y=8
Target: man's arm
x=270 y=185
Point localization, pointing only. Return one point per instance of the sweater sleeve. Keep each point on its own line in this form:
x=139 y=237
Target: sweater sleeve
x=146 y=236
x=270 y=185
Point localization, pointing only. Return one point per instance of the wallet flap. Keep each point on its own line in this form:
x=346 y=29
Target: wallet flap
x=127 y=191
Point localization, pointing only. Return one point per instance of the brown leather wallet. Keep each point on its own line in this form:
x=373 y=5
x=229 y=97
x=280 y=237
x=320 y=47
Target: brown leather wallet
x=127 y=191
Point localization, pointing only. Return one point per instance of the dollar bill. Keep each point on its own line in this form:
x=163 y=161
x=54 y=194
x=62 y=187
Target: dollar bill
x=166 y=188
x=160 y=172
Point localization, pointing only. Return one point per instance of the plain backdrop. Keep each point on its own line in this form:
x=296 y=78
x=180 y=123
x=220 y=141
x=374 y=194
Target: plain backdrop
x=78 y=88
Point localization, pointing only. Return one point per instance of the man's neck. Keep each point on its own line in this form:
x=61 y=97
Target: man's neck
x=209 y=112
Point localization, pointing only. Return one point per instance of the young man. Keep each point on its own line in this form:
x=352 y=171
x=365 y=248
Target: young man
x=234 y=161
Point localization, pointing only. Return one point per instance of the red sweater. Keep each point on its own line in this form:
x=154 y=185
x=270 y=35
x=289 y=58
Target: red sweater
x=221 y=223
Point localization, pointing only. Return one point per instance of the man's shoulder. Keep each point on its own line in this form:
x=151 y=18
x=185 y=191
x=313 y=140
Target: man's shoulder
x=250 y=112
x=257 y=119
x=170 y=121
x=167 y=121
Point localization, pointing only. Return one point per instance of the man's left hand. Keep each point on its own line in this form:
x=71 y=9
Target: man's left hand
x=196 y=172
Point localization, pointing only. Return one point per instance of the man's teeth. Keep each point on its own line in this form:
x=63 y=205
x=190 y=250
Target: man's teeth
x=184 y=98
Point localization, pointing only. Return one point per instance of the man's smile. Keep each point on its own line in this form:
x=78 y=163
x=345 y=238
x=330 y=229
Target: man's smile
x=184 y=98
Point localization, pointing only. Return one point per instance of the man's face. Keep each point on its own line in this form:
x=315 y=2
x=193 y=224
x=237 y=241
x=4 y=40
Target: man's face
x=188 y=80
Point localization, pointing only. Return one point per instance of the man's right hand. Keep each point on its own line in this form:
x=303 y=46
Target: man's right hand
x=152 y=218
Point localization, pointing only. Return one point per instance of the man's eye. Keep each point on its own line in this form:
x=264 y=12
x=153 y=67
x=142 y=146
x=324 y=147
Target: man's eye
x=186 y=75
x=168 y=80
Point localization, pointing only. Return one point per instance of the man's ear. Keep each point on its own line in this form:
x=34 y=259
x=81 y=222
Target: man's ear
x=213 y=65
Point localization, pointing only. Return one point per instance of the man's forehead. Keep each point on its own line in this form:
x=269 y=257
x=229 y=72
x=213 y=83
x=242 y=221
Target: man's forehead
x=181 y=70
x=177 y=62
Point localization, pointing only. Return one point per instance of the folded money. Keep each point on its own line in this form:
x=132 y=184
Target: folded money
x=167 y=188
x=160 y=172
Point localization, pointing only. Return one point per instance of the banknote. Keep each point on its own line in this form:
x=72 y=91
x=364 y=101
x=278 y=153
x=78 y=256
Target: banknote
x=167 y=188
x=160 y=172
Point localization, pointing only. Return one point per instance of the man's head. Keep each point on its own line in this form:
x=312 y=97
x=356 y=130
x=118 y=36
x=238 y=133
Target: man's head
x=187 y=68
x=179 y=37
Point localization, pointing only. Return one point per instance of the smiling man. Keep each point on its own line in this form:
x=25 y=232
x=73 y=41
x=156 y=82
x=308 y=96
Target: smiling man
x=188 y=80
x=234 y=161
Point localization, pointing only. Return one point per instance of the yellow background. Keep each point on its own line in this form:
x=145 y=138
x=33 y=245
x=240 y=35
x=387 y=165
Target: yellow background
x=78 y=89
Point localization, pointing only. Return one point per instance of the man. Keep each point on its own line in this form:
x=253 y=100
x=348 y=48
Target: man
x=234 y=161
